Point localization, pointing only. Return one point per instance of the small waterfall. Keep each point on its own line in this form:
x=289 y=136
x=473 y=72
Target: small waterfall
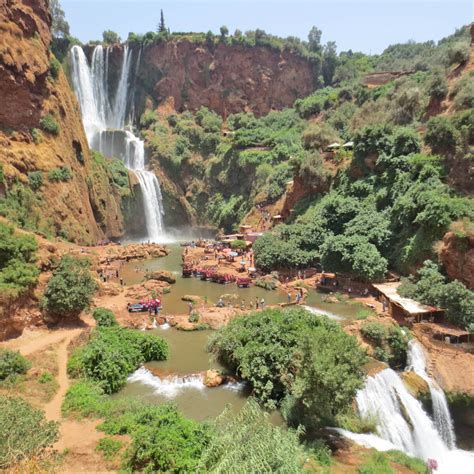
x=105 y=124
x=317 y=311
x=403 y=424
x=442 y=418
x=170 y=386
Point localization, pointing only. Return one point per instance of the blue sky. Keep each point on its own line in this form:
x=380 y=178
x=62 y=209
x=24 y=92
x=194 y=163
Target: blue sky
x=367 y=26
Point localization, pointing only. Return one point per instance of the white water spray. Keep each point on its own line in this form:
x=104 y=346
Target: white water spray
x=444 y=424
x=403 y=424
x=106 y=129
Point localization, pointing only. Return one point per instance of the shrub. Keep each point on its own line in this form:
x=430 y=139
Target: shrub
x=83 y=398
x=238 y=244
x=374 y=332
x=113 y=353
x=109 y=447
x=441 y=136
x=54 y=67
x=62 y=173
x=45 y=377
x=12 y=363
x=37 y=136
x=437 y=86
x=25 y=434
x=247 y=440
x=35 y=180
x=48 y=124
x=104 y=317
x=70 y=289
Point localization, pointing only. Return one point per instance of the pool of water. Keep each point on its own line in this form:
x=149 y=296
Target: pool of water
x=175 y=381
x=133 y=273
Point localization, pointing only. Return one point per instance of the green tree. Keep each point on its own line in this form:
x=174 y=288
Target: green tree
x=59 y=27
x=12 y=363
x=161 y=25
x=442 y=136
x=314 y=40
x=110 y=37
x=70 y=289
x=330 y=62
x=224 y=32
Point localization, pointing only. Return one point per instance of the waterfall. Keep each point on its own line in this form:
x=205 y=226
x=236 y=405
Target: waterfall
x=442 y=418
x=403 y=424
x=105 y=118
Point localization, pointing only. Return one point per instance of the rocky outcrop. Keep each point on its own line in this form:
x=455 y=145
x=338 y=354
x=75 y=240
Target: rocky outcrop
x=84 y=208
x=226 y=78
x=161 y=275
x=457 y=255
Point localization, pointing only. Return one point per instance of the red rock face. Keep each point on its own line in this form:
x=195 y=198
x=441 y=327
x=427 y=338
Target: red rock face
x=457 y=256
x=229 y=79
x=24 y=63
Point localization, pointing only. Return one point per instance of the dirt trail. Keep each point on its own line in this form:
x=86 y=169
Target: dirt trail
x=53 y=408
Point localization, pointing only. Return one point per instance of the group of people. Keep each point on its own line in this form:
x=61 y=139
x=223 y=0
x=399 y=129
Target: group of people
x=298 y=298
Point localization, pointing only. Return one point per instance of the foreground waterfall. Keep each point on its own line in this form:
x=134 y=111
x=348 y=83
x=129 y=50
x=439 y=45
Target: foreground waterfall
x=441 y=415
x=105 y=125
x=403 y=424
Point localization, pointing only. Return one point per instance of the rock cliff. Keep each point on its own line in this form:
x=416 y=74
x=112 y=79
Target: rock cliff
x=85 y=207
x=225 y=78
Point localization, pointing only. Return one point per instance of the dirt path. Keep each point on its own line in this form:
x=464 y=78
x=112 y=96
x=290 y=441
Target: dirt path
x=53 y=408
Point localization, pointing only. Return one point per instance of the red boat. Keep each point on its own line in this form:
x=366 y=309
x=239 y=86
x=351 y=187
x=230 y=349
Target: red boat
x=223 y=279
x=243 y=282
x=187 y=271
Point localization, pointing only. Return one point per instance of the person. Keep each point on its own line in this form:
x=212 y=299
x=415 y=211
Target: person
x=349 y=290
x=287 y=280
x=256 y=302
x=289 y=297
x=220 y=302
x=190 y=307
x=298 y=296
x=116 y=274
x=242 y=304
x=262 y=304
x=121 y=281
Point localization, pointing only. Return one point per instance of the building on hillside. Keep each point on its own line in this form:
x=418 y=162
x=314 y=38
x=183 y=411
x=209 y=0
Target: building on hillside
x=405 y=309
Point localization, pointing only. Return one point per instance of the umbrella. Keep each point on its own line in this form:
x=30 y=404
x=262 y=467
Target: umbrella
x=252 y=269
x=234 y=254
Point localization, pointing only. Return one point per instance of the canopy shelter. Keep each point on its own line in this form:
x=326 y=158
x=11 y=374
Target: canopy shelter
x=449 y=333
x=406 y=307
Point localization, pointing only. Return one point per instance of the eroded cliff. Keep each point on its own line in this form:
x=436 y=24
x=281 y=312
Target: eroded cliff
x=82 y=205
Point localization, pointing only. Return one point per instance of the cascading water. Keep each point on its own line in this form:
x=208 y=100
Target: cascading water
x=403 y=424
x=442 y=418
x=105 y=125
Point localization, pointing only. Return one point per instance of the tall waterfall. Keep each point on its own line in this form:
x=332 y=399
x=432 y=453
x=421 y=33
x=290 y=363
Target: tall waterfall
x=403 y=424
x=105 y=121
x=441 y=415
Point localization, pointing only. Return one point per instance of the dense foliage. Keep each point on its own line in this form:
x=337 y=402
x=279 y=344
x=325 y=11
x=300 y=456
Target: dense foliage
x=391 y=344
x=25 y=433
x=112 y=353
x=12 y=363
x=18 y=273
x=104 y=317
x=279 y=353
x=70 y=289
x=248 y=442
x=430 y=286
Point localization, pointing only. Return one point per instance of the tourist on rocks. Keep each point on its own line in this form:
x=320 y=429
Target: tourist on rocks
x=220 y=303
x=256 y=302
x=121 y=281
x=262 y=304
x=298 y=297
x=190 y=308
x=289 y=297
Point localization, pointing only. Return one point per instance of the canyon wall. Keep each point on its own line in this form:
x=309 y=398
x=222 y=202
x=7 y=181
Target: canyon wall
x=84 y=208
x=225 y=78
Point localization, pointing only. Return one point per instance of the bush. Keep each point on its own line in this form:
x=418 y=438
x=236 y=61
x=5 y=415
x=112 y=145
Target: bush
x=83 y=398
x=247 y=441
x=238 y=244
x=35 y=180
x=441 y=136
x=112 y=354
x=70 y=289
x=48 y=124
x=54 y=67
x=18 y=274
x=267 y=349
x=104 y=317
x=438 y=86
x=37 y=136
x=25 y=434
x=12 y=363
x=109 y=447
x=60 y=174
x=374 y=332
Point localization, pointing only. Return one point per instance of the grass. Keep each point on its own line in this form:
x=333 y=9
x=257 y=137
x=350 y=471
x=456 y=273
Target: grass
x=109 y=447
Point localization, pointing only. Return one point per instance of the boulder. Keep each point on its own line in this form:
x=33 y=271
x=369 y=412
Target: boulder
x=414 y=383
x=161 y=275
x=212 y=378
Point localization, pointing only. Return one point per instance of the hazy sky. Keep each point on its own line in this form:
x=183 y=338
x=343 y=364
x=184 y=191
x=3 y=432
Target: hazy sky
x=367 y=26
